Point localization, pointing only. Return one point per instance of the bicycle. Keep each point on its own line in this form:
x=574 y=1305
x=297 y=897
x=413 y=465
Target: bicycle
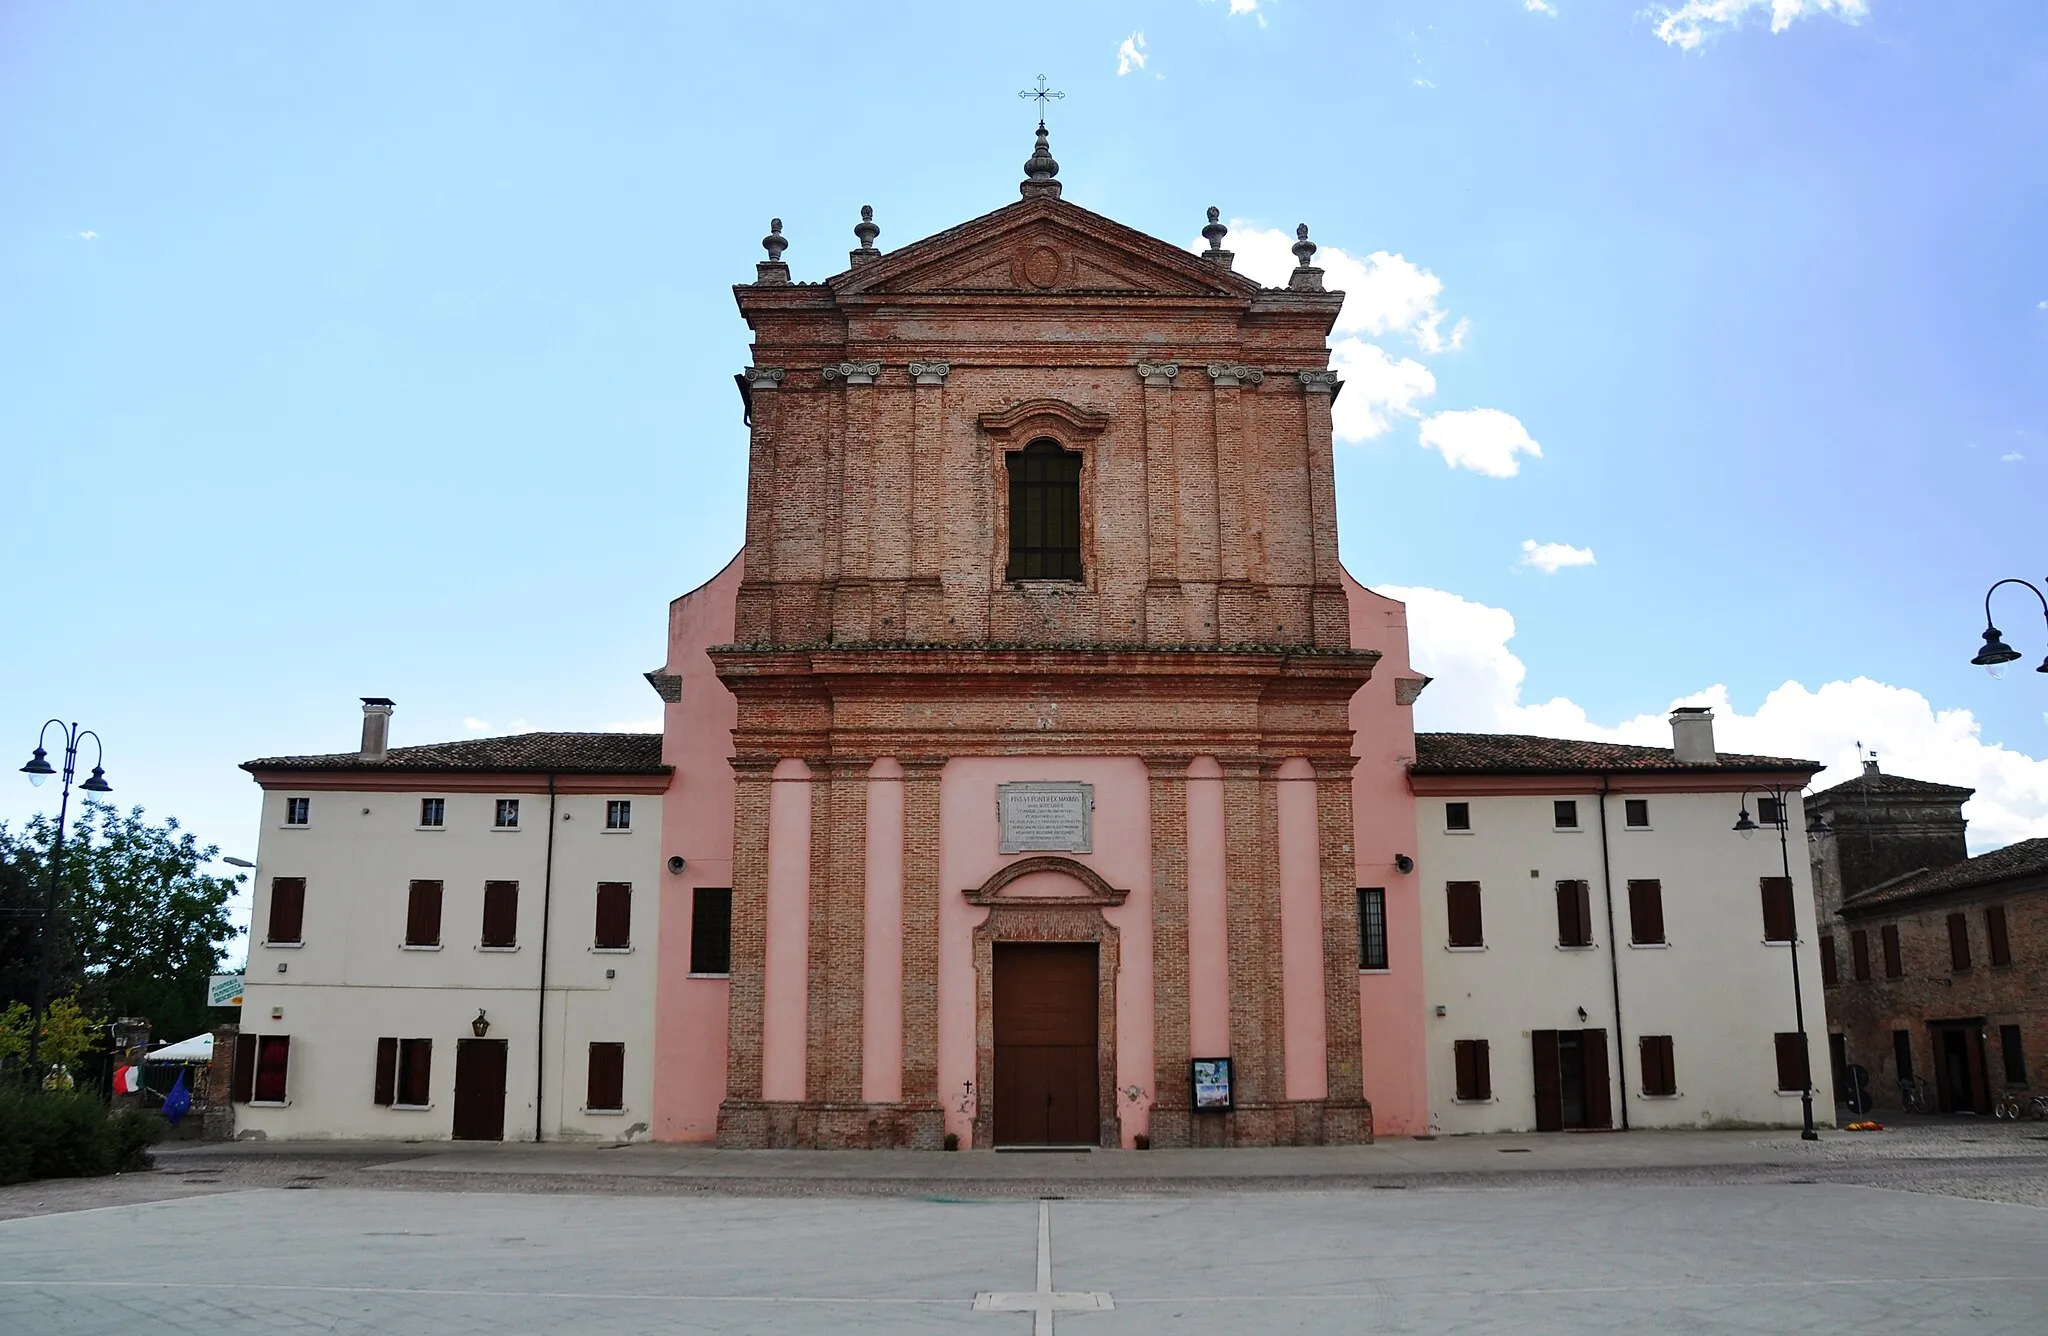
x=1914 y=1097
x=2006 y=1106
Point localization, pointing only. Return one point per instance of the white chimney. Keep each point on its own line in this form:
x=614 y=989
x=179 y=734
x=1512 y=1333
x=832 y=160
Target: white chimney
x=1870 y=768
x=376 y=727
x=1692 y=735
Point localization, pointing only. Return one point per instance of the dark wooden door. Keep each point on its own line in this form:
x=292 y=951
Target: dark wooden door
x=479 y=1090
x=1047 y=1086
x=1960 y=1082
x=1549 y=1100
x=1598 y=1100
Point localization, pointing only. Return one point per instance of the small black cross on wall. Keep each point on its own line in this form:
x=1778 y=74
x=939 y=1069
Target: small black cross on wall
x=1042 y=95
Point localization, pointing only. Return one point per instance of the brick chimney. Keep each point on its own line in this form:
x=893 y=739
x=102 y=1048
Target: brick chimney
x=1870 y=767
x=376 y=727
x=1692 y=735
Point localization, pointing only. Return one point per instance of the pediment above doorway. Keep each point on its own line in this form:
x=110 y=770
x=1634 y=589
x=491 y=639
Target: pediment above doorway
x=1023 y=884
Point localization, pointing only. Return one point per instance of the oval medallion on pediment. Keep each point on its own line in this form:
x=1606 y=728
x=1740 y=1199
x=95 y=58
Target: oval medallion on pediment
x=1041 y=267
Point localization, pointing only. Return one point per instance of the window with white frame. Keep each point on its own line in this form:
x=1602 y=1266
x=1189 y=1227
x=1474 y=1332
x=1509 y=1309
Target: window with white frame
x=1564 y=814
x=1457 y=816
x=507 y=814
x=298 y=811
x=433 y=811
x=618 y=814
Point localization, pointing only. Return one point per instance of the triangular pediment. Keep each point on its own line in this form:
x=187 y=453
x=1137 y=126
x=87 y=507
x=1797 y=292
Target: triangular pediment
x=1042 y=247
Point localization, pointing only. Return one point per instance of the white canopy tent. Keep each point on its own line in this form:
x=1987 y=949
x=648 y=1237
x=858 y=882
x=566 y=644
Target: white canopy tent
x=199 y=1048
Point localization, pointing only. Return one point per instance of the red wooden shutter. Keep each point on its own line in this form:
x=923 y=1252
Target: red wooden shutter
x=1467 y=927
x=273 y=1061
x=287 y=909
x=1859 y=954
x=1777 y=897
x=1958 y=942
x=501 y=913
x=614 y=915
x=1549 y=1104
x=423 y=914
x=1646 y=912
x=1994 y=932
x=242 y=1081
x=606 y=1088
x=387 y=1071
x=1792 y=1073
x=1599 y=1098
x=1828 y=977
x=1894 y=966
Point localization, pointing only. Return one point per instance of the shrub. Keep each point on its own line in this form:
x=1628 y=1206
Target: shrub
x=70 y=1134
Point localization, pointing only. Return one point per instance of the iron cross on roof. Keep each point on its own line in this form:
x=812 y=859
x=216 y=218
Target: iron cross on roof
x=1042 y=95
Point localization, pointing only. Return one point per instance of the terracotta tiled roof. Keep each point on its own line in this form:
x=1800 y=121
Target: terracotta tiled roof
x=561 y=753
x=1897 y=786
x=2028 y=858
x=1521 y=754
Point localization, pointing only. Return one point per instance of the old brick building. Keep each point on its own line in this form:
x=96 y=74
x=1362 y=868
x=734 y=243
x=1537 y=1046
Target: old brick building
x=1935 y=963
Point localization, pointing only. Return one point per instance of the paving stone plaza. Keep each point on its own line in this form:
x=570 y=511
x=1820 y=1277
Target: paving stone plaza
x=1934 y=1231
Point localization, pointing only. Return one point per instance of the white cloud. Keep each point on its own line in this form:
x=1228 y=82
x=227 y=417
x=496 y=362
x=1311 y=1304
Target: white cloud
x=2039 y=306
x=1131 y=55
x=1484 y=440
x=94 y=236
x=1478 y=688
x=1424 y=83
x=1377 y=389
x=1384 y=293
x=1540 y=7
x=1239 y=8
x=652 y=725
x=476 y=725
x=1691 y=23
x=2011 y=457
x=1550 y=558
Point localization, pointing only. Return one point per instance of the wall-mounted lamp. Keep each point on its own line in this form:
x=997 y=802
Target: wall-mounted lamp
x=481 y=1026
x=1403 y=863
x=676 y=863
x=1582 y=1013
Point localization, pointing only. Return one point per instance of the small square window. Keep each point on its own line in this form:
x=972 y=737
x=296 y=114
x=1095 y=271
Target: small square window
x=1770 y=812
x=1565 y=814
x=1457 y=816
x=432 y=812
x=508 y=814
x=1635 y=813
x=618 y=814
x=297 y=811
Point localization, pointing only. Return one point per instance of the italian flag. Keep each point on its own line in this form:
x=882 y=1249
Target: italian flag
x=127 y=1080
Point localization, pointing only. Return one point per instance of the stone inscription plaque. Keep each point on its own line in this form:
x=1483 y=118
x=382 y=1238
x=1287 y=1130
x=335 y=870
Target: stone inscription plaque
x=1046 y=816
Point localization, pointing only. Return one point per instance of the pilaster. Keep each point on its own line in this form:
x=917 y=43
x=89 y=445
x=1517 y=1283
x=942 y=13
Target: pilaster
x=1171 y=1115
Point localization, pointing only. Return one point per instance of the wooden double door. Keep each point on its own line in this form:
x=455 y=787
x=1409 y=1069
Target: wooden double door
x=1960 y=1082
x=479 y=1090
x=1571 y=1079
x=1047 y=1077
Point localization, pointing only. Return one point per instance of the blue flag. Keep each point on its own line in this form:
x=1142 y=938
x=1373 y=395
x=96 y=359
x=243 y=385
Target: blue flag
x=179 y=1102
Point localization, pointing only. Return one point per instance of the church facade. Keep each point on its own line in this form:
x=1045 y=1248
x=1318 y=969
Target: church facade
x=1037 y=775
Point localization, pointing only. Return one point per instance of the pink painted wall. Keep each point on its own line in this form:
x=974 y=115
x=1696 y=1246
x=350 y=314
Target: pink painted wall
x=1383 y=821
x=1208 y=914
x=785 y=969
x=696 y=822
x=881 y=1061
x=1303 y=1027
x=968 y=856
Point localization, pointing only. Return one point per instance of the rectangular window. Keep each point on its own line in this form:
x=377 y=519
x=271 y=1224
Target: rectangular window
x=1461 y=899
x=1475 y=1079
x=1777 y=898
x=273 y=1061
x=405 y=1072
x=1770 y=812
x=1894 y=963
x=1457 y=816
x=614 y=930
x=423 y=914
x=1646 y=912
x=605 y=1091
x=1660 y=1077
x=501 y=915
x=1902 y=1053
x=1045 y=512
x=1564 y=814
x=1859 y=954
x=297 y=811
x=1828 y=976
x=618 y=814
x=1994 y=934
x=432 y=812
x=1792 y=1069
x=507 y=814
x=287 y=910
x=711 y=930
x=2015 y=1055
x=1958 y=942
x=1372 y=928
x=1635 y=813
x=1574 y=914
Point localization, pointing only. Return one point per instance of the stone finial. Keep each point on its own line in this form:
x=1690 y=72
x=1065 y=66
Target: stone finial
x=1215 y=231
x=1041 y=172
x=1306 y=277
x=867 y=231
x=772 y=269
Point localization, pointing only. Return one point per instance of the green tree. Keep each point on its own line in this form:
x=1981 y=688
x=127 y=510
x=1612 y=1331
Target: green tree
x=68 y=1034
x=140 y=926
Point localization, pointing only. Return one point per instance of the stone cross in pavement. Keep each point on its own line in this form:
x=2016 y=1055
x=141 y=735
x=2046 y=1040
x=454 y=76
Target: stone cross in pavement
x=1044 y=1301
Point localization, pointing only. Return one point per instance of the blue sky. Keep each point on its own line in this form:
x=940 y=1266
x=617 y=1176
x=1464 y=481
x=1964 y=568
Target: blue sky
x=388 y=349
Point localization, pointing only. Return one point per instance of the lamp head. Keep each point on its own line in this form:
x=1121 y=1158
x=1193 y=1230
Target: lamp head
x=1744 y=826
x=97 y=782
x=38 y=768
x=1996 y=653
x=1818 y=825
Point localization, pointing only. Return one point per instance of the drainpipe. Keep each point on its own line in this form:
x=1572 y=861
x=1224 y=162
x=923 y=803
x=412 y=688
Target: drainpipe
x=1613 y=953
x=540 y=1025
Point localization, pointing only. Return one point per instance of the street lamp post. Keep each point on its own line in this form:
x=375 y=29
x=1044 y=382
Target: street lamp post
x=1745 y=827
x=39 y=769
x=1995 y=653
